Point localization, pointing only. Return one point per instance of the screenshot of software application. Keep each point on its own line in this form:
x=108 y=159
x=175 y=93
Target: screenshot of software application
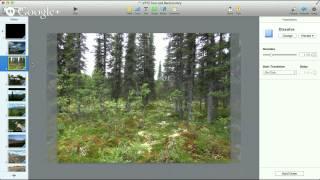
x=159 y=89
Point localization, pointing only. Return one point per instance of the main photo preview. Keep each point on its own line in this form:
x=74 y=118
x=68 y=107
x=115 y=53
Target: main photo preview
x=14 y=68
x=145 y=97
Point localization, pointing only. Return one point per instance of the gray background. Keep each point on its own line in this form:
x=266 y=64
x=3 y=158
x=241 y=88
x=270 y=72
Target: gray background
x=41 y=165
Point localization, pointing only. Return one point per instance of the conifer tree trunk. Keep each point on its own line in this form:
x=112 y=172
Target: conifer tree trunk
x=78 y=58
x=210 y=103
x=191 y=58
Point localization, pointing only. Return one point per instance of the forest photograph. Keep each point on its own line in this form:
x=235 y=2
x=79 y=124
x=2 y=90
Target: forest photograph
x=16 y=63
x=143 y=98
x=16 y=79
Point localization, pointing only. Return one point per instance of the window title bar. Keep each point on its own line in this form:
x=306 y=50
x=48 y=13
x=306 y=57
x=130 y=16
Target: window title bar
x=44 y=9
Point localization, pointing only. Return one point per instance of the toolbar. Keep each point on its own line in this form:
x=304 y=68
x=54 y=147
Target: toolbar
x=159 y=8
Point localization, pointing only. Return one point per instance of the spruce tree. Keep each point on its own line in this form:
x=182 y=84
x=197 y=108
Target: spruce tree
x=145 y=64
x=150 y=70
x=130 y=65
x=209 y=59
x=177 y=70
x=71 y=48
x=116 y=66
x=190 y=64
x=102 y=50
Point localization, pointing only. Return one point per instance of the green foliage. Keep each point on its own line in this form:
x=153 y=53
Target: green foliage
x=121 y=114
x=14 y=64
x=219 y=94
x=119 y=138
x=176 y=94
x=145 y=91
x=17 y=111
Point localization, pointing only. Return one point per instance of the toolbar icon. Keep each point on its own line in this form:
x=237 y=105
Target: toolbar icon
x=268 y=33
x=137 y=9
x=230 y=10
x=75 y=10
x=163 y=9
x=238 y=9
x=174 y=9
x=154 y=9
x=129 y=9
x=303 y=9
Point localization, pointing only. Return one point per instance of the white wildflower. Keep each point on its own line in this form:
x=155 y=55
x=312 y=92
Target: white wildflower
x=140 y=152
x=83 y=151
x=163 y=123
x=141 y=133
x=147 y=146
x=174 y=135
x=217 y=156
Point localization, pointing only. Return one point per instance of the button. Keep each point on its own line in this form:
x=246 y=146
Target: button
x=287 y=35
x=289 y=173
x=307 y=36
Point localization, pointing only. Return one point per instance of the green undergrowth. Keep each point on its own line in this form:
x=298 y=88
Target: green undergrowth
x=109 y=133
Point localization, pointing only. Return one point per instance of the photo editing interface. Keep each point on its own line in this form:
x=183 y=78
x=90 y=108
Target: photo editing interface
x=159 y=89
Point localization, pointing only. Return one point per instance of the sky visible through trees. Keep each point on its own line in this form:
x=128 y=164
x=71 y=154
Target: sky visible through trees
x=143 y=97
x=161 y=43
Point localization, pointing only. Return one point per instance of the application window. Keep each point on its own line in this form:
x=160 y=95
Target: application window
x=159 y=89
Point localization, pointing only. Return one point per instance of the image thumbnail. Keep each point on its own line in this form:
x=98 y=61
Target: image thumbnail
x=17 y=94
x=16 y=47
x=17 y=125
x=17 y=110
x=16 y=168
x=17 y=141
x=143 y=98
x=15 y=31
x=16 y=79
x=17 y=156
x=16 y=63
